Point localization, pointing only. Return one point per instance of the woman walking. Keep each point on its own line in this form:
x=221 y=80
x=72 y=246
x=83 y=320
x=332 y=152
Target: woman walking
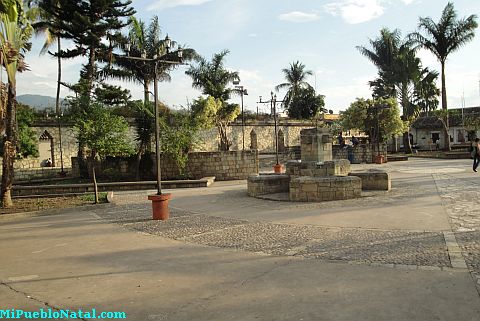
x=475 y=154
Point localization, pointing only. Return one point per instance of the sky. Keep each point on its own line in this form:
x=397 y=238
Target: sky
x=266 y=36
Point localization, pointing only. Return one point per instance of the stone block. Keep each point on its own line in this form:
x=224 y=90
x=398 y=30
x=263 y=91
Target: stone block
x=374 y=180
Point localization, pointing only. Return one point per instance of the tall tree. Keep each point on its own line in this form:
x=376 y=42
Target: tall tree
x=443 y=38
x=15 y=32
x=400 y=74
x=214 y=80
x=92 y=26
x=295 y=77
x=48 y=25
x=306 y=104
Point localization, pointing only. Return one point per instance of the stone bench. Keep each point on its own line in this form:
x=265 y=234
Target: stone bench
x=267 y=184
x=318 y=189
x=374 y=180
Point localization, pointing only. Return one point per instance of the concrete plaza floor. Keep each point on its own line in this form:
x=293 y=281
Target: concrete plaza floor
x=410 y=254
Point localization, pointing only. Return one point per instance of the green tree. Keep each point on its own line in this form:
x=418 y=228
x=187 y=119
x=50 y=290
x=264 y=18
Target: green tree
x=92 y=26
x=178 y=135
x=212 y=78
x=306 y=104
x=295 y=77
x=27 y=141
x=148 y=41
x=400 y=75
x=379 y=118
x=15 y=32
x=209 y=112
x=442 y=39
x=48 y=25
x=104 y=135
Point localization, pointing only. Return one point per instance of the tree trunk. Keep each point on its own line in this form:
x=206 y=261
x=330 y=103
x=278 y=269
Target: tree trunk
x=444 y=107
x=406 y=142
x=9 y=148
x=146 y=98
x=59 y=78
x=82 y=160
x=94 y=178
x=90 y=70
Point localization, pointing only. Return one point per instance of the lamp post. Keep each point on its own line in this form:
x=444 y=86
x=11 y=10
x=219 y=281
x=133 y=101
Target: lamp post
x=243 y=91
x=273 y=106
x=159 y=200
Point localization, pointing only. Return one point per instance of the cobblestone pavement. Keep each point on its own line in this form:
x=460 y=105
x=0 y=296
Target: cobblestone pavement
x=413 y=249
x=458 y=189
x=461 y=198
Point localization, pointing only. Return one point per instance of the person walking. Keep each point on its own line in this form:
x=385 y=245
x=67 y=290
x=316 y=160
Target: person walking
x=476 y=154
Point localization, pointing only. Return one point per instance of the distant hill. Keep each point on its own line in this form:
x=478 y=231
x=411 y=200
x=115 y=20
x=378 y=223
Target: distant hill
x=38 y=101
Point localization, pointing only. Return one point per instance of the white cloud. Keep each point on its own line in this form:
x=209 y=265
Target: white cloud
x=298 y=16
x=164 y=4
x=407 y=2
x=355 y=11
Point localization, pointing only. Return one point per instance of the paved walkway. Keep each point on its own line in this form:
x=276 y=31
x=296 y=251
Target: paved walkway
x=409 y=254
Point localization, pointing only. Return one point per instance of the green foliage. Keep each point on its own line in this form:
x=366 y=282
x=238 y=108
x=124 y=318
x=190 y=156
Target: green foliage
x=102 y=197
x=27 y=140
x=379 y=118
x=295 y=77
x=102 y=132
x=305 y=104
x=212 y=78
x=112 y=96
x=177 y=136
x=209 y=112
x=400 y=73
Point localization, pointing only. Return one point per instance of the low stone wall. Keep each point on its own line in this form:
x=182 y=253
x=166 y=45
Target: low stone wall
x=267 y=184
x=362 y=153
x=224 y=166
x=77 y=189
x=25 y=174
x=339 y=167
x=375 y=181
x=318 y=189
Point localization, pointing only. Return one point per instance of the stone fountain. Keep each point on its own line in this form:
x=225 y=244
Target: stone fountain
x=317 y=176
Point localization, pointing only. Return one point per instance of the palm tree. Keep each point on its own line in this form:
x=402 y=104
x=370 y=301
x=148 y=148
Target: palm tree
x=212 y=78
x=295 y=77
x=443 y=38
x=15 y=32
x=400 y=72
x=48 y=25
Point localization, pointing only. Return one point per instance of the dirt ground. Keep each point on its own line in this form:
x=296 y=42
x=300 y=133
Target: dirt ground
x=43 y=203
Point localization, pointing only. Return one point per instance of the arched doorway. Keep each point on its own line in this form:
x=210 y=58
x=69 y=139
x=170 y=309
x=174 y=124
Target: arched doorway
x=46 y=149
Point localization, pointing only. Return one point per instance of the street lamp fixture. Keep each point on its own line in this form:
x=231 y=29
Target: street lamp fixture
x=243 y=91
x=273 y=107
x=159 y=200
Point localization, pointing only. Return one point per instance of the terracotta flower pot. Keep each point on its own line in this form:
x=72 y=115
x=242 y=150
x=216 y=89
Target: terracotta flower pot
x=379 y=159
x=277 y=169
x=160 y=206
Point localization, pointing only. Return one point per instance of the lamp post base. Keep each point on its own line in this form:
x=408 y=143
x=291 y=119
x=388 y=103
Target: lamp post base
x=160 y=206
x=277 y=169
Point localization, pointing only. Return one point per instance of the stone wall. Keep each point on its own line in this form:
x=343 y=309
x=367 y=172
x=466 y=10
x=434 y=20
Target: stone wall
x=223 y=165
x=362 y=153
x=208 y=139
x=318 y=189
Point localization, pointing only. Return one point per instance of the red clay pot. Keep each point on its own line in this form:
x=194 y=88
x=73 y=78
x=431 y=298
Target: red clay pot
x=379 y=159
x=160 y=206
x=277 y=169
